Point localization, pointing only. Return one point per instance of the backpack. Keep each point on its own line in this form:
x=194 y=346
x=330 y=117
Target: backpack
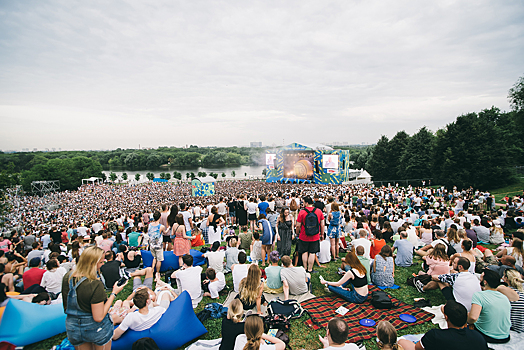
x=311 y=225
x=276 y=322
x=293 y=206
x=288 y=308
x=451 y=249
x=381 y=300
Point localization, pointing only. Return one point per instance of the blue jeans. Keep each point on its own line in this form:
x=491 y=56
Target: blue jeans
x=348 y=295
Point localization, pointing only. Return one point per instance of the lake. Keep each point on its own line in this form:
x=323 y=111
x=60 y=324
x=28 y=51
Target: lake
x=250 y=170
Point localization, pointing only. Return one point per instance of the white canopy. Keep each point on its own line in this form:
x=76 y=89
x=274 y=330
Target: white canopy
x=91 y=180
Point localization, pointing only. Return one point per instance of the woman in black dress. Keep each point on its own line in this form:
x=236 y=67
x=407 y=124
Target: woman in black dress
x=285 y=228
x=241 y=211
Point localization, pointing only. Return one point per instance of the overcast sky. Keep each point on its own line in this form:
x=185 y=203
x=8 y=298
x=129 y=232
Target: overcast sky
x=108 y=74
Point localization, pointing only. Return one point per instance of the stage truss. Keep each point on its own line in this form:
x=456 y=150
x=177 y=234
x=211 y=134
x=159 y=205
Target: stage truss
x=42 y=188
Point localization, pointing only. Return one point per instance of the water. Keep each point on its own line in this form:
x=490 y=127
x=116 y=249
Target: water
x=250 y=170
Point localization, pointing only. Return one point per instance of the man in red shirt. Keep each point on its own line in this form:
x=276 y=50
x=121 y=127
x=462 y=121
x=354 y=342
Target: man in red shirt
x=34 y=274
x=309 y=245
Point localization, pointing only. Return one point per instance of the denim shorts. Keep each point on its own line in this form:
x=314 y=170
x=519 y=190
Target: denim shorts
x=82 y=329
x=349 y=295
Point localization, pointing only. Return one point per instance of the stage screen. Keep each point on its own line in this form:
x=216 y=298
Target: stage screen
x=299 y=164
x=270 y=160
x=330 y=162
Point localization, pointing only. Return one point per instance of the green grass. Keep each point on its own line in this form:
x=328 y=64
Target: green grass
x=511 y=190
x=300 y=335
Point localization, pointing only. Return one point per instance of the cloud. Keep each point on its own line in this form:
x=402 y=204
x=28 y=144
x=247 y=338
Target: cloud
x=231 y=72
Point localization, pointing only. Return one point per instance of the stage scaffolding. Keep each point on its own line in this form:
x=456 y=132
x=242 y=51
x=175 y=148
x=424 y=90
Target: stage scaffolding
x=42 y=188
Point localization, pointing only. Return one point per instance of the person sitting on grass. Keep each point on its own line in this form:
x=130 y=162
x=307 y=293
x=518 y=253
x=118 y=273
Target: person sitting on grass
x=455 y=337
x=387 y=336
x=239 y=271
x=404 y=248
x=147 y=315
x=383 y=273
x=273 y=284
x=232 y=325
x=440 y=237
x=355 y=278
x=515 y=293
x=490 y=310
x=336 y=336
x=188 y=279
x=254 y=337
x=251 y=290
x=215 y=282
x=437 y=263
x=295 y=279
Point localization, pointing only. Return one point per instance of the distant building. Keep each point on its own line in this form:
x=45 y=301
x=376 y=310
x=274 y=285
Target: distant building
x=255 y=144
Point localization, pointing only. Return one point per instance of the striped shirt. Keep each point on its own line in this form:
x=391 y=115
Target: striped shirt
x=517 y=313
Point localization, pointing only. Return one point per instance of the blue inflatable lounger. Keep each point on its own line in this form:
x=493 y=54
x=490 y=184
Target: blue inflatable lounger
x=171 y=260
x=25 y=323
x=177 y=326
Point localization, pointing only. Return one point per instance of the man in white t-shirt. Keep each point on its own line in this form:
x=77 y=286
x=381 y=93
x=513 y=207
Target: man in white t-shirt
x=336 y=335
x=215 y=281
x=81 y=230
x=459 y=286
x=188 y=278
x=362 y=241
x=439 y=238
x=147 y=315
x=324 y=256
x=215 y=258
x=239 y=271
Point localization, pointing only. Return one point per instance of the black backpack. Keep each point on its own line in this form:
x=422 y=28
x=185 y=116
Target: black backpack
x=311 y=225
x=451 y=250
x=381 y=300
x=291 y=309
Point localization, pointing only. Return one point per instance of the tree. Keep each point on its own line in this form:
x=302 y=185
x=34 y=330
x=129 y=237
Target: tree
x=192 y=175
x=124 y=176
x=137 y=177
x=177 y=175
x=188 y=175
x=416 y=160
x=223 y=174
x=112 y=177
x=150 y=176
x=516 y=95
x=167 y=176
x=264 y=172
x=245 y=174
x=396 y=147
x=215 y=175
x=233 y=173
x=162 y=176
x=378 y=162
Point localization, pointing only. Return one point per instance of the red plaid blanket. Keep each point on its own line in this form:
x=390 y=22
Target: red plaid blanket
x=322 y=309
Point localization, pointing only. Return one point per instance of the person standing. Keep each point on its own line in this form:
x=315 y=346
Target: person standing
x=309 y=229
x=155 y=232
x=284 y=232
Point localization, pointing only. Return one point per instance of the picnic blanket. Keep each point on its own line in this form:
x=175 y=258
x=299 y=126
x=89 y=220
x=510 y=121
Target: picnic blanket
x=322 y=309
x=300 y=298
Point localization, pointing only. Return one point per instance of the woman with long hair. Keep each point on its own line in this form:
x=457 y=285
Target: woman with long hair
x=241 y=211
x=355 y=278
x=284 y=235
x=383 y=272
x=496 y=233
x=515 y=293
x=425 y=232
x=214 y=223
x=252 y=213
x=171 y=220
x=86 y=304
x=254 y=337
x=333 y=231
x=515 y=251
x=181 y=241
x=387 y=336
x=454 y=239
x=387 y=232
x=251 y=289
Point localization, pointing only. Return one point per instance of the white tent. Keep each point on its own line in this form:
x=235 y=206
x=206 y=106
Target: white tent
x=359 y=177
x=92 y=180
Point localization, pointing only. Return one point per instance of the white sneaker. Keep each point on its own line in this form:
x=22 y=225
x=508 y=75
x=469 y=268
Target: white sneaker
x=321 y=279
x=419 y=286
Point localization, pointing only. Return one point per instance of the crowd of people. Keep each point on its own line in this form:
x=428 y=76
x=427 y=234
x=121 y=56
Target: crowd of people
x=70 y=247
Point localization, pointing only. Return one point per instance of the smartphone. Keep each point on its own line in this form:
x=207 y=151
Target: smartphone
x=121 y=281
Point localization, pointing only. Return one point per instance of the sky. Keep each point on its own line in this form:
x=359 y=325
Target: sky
x=129 y=74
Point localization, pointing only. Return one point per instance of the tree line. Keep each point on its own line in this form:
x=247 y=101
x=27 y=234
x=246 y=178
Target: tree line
x=477 y=149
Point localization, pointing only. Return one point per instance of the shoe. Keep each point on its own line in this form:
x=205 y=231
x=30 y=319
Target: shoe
x=313 y=271
x=341 y=272
x=419 y=286
x=321 y=279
